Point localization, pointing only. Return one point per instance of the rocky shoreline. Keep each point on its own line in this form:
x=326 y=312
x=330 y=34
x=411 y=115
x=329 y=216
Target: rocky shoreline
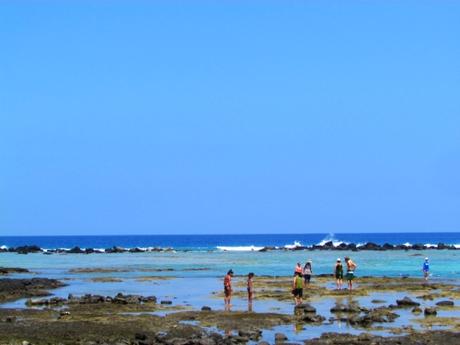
x=369 y=246
x=125 y=319
x=12 y=289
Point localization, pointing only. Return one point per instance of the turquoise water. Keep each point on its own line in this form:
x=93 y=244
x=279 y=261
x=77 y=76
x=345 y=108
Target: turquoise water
x=444 y=263
x=198 y=275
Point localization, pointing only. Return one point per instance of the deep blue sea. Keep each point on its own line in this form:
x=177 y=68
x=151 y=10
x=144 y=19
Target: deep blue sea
x=212 y=242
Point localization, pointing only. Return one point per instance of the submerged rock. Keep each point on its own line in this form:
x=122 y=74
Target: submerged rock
x=8 y=270
x=445 y=304
x=280 y=337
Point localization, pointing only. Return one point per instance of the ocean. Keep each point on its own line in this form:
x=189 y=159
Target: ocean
x=211 y=256
x=229 y=242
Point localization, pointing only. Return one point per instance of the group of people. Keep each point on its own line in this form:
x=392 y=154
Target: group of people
x=302 y=277
x=228 y=289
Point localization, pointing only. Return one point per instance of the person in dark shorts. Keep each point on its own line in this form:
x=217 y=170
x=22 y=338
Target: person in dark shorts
x=307 y=272
x=338 y=273
x=351 y=267
x=228 y=289
x=297 y=288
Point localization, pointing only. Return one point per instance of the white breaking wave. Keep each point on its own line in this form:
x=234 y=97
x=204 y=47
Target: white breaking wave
x=296 y=244
x=4 y=248
x=431 y=245
x=240 y=249
x=407 y=244
x=102 y=250
x=329 y=238
x=456 y=246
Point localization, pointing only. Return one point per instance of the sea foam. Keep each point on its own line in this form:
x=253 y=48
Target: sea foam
x=240 y=248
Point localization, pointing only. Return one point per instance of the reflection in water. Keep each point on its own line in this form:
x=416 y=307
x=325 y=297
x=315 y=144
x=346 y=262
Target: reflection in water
x=250 y=307
x=298 y=327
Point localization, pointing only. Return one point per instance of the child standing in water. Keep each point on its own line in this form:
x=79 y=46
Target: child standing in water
x=351 y=266
x=338 y=273
x=228 y=290
x=307 y=272
x=297 y=288
x=426 y=269
x=250 y=287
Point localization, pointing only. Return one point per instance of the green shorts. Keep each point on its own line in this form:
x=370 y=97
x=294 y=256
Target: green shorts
x=350 y=275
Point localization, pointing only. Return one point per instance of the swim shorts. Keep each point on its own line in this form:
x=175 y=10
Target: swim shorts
x=297 y=292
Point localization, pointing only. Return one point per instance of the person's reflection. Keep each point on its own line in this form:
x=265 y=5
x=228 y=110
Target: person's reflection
x=298 y=327
x=250 y=307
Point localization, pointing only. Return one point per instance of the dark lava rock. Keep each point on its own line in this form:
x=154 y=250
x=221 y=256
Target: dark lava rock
x=206 y=308
x=26 y=249
x=376 y=315
x=342 y=308
x=430 y=311
x=407 y=302
x=304 y=308
x=166 y=302
x=432 y=338
x=76 y=250
x=388 y=246
x=136 y=250
x=445 y=304
x=370 y=246
x=115 y=250
x=8 y=270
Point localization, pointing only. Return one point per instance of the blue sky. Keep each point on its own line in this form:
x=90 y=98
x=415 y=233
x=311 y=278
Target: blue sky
x=121 y=117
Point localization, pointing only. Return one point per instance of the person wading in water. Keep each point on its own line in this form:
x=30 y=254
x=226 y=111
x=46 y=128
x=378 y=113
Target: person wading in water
x=351 y=267
x=228 y=290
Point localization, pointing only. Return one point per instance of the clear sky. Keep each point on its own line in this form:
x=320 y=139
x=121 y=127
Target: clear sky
x=121 y=117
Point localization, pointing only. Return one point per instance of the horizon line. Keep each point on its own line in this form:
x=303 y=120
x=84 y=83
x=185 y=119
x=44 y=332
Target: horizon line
x=238 y=234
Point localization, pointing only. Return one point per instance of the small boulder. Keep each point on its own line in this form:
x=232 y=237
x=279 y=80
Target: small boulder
x=407 y=302
x=430 y=311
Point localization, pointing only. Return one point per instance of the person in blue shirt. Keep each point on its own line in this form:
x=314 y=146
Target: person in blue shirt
x=426 y=269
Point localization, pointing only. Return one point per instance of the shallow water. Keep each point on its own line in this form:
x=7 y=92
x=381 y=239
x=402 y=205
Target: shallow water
x=194 y=288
